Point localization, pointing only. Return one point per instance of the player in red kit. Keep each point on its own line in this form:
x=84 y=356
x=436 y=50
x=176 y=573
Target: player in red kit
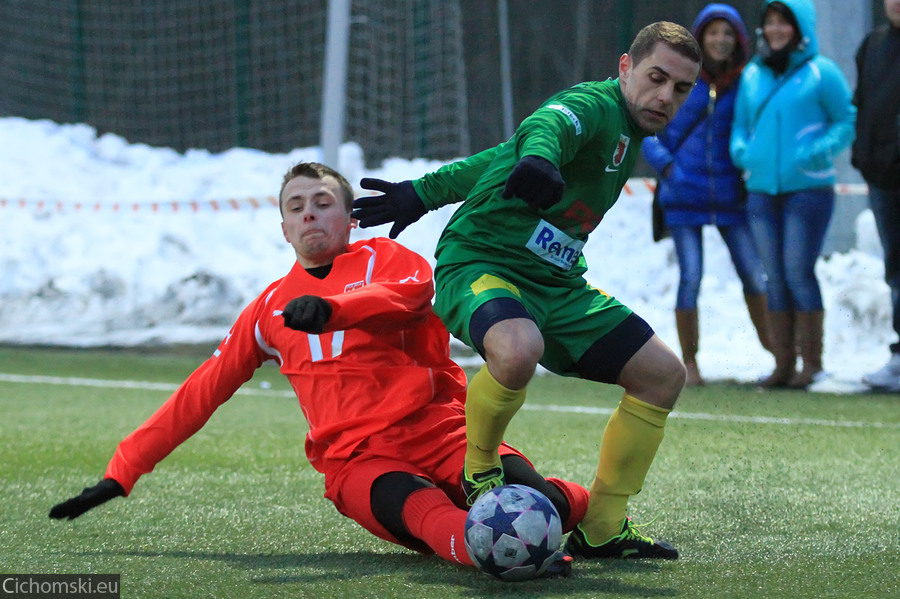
x=352 y=328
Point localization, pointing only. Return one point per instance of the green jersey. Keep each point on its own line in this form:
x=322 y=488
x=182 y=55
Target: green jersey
x=587 y=133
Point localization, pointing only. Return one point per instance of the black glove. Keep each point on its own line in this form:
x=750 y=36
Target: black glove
x=536 y=181
x=307 y=313
x=91 y=497
x=399 y=204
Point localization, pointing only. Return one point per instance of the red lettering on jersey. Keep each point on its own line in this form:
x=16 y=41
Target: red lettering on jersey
x=582 y=213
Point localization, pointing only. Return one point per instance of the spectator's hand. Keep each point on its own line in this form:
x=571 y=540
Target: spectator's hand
x=814 y=158
x=399 y=204
x=90 y=498
x=307 y=313
x=536 y=181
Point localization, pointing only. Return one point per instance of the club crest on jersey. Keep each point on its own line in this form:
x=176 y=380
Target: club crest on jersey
x=621 y=148
x=351 y=286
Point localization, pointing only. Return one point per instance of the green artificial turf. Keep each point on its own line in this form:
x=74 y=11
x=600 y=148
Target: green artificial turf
x=775 y=494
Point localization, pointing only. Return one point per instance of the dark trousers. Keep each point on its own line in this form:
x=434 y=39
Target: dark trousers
x=886 y=208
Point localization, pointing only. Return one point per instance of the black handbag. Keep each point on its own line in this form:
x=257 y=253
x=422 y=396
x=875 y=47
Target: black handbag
x=658 y=218
x=660 y=230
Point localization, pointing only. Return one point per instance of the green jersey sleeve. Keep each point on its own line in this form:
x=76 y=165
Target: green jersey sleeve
x=564 y=124
x=452 y=182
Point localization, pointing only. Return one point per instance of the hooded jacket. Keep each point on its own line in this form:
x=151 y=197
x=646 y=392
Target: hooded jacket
x=703 y=186
x=876 y=149
x=789 y=127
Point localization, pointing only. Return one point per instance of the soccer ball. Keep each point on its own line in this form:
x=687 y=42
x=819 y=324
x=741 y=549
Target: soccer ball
x=513 y=533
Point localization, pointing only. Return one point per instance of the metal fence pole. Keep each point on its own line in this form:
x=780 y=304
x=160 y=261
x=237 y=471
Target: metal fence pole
x=241 y=125
x=505 y=68
x=78 y=77
x=334 y=86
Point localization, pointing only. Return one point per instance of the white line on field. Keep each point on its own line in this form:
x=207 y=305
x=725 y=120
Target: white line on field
x=123 y=384
x=71 y=381
x=725 y=417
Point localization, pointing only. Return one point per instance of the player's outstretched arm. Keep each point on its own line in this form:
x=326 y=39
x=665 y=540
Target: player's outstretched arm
x=398 y=203
x=90 y=498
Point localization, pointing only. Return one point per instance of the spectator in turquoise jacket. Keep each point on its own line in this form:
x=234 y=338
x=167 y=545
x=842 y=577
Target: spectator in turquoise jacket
x=793 y=115
x=700 y=186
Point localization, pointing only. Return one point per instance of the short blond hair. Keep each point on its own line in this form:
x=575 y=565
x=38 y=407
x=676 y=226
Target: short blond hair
x=315 y=170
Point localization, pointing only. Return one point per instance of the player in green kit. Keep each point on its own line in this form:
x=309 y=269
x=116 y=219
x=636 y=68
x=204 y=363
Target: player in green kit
x=510 y=275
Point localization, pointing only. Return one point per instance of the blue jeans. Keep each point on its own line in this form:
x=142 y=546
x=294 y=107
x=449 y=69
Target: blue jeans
x=790 y=229
x=689 y=249
x=886 y=208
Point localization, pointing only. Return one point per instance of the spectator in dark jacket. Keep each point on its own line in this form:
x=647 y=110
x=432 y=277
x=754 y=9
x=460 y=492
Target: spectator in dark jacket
x=700 y=185
x=876 y=153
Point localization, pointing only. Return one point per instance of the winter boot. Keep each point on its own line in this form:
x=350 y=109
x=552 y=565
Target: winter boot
x=688 y=325
x=758 y=307
x=809 y=331
x=782 y=335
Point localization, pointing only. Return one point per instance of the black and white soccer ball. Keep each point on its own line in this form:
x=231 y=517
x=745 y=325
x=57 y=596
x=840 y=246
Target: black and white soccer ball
x=513 y=533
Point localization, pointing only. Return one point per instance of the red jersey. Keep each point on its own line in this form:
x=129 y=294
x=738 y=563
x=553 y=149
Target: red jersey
x=382 y=356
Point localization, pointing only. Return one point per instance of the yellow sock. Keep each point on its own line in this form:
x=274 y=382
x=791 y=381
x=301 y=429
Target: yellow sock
x=489 y=408
x=630 y=441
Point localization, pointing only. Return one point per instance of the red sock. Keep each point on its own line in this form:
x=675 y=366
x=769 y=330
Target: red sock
x=577 y=497
x=430 y=516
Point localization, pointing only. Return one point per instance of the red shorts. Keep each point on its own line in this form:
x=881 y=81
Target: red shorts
x=430 y=443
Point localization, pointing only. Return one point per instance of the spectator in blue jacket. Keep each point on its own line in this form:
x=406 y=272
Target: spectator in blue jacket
x=700 y=186
x=793 y=114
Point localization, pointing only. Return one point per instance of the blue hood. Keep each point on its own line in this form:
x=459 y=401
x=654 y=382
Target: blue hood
x=723 y=11
x=805 y=13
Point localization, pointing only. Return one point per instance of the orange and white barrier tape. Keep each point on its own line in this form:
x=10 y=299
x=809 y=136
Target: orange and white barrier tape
x=640 y=183
x=635 y=186
x=166 y=206
x=639 y=186
x=851 y=189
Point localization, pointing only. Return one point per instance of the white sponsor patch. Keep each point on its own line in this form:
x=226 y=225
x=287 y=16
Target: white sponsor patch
x=569 y=114
x=554 y=246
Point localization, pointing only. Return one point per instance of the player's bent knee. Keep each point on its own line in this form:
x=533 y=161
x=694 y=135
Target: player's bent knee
x=388 y=495
x=670 y=375
x=674 y=378
x=654 y=374
x=512 y=350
